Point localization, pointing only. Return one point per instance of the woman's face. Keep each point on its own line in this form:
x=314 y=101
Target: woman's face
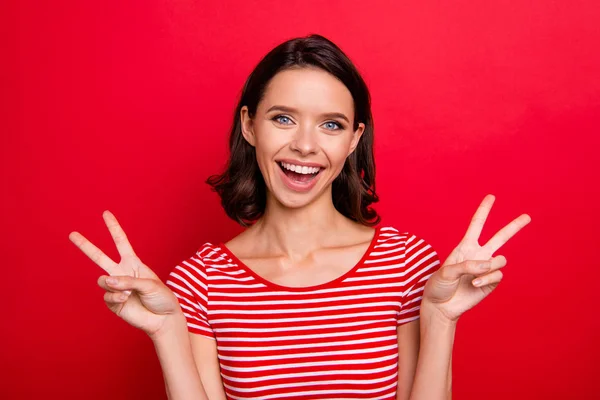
x=302 y=133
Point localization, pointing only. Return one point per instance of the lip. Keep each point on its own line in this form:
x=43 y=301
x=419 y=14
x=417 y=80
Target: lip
x=298 y=186
x=300 y=163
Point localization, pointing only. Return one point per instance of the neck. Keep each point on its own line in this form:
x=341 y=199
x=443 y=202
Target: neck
x=297 y=232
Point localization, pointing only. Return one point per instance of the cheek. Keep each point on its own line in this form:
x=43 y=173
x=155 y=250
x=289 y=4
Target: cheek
x=336 y=148
x=268 y=144
x=268 y=138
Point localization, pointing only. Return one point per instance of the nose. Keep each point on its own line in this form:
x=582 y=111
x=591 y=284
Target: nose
x=304 y=141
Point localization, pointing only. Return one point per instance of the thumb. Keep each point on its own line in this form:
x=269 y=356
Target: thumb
x=129 y=283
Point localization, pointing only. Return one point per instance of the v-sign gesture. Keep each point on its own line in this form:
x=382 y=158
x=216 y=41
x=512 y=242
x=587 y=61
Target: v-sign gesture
x=453 y=288
x=133 y=291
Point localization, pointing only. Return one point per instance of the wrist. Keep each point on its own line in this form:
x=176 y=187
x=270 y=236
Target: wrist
x=430 y=314
x=173 y=324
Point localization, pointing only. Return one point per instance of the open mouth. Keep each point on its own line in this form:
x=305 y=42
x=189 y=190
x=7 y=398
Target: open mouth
x=299 y=174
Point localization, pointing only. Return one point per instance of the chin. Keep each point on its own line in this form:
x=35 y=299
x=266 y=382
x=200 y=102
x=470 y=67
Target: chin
x=289 y=200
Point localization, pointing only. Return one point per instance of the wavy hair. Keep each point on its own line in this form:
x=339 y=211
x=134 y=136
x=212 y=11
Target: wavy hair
x=241 y=186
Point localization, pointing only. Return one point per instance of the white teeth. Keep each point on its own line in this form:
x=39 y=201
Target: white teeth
x=300 y=169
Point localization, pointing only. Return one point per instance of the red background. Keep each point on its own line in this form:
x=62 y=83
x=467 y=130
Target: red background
x=126 y=106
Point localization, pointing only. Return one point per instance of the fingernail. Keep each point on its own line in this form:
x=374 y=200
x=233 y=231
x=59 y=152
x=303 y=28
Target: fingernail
x=123 y=296
x=485 y=265
x=112 y=280
x=477 y=282
x=127 y=292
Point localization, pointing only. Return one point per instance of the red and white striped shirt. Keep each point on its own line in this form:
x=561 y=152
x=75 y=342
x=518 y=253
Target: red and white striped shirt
x=331 y=341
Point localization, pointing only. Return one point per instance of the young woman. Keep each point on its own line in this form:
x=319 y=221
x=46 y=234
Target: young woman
x=311 y=301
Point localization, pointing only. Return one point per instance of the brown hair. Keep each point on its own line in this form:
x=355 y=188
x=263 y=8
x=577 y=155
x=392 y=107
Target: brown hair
x=241 y=186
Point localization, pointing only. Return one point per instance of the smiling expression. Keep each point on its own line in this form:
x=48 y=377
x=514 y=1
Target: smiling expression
x=302 y=133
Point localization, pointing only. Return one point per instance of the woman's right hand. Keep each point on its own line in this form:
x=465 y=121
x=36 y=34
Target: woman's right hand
x=133 y=291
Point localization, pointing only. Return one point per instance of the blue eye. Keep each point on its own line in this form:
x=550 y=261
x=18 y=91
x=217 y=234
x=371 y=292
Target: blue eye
x=335 y=124
x=279 y=117
x=285 y=120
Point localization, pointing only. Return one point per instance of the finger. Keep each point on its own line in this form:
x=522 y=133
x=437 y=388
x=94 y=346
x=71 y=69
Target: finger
x=118 y=235
x=141 y=285
x=94 y=253
x=453 y=272
x=479 y=218
x=498 y=262
x=102 y=283
x=115 y=298
x=488 y=279
x=504 y=234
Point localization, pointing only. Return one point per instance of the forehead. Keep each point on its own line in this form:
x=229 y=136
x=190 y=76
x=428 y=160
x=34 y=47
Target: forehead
x=309 y=90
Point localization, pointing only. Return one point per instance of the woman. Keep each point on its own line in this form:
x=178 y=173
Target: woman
x=310 y=301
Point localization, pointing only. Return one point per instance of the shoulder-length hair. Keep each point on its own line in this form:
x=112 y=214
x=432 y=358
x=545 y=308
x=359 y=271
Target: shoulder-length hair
x=241 y=186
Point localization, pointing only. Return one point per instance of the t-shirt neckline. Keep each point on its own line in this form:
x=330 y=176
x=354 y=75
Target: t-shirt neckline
x=325 y=285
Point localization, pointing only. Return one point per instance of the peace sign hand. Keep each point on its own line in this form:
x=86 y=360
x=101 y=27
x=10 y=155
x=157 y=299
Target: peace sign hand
x=452 y=289
x=133 y=291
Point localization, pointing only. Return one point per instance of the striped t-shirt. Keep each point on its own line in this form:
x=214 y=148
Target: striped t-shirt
x=331 y=341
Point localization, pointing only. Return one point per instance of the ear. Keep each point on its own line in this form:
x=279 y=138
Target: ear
x=356 y=137
x=246 y=125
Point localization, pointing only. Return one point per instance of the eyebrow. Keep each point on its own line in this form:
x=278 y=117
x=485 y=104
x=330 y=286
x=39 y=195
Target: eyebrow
x=293 y=110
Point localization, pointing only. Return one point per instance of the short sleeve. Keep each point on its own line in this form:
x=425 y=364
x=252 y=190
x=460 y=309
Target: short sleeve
x=189 y=282
x=420 y=262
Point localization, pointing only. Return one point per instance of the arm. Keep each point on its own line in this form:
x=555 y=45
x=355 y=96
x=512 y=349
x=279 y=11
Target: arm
x=189 y=363
x=182 y=381
x=204 y=350
x=408 y=354
x=189 y=283
x=410 y=346
x=138 y=296
x=433 y=375
x=447 y=295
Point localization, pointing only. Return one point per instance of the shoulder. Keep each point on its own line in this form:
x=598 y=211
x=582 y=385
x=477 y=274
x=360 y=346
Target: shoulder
x=195 y=271
x=419 y=258
x=412 y=244
x=196 y=264
x=390 y=232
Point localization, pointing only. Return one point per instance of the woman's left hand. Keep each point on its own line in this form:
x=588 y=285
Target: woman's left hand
x=453 y=289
